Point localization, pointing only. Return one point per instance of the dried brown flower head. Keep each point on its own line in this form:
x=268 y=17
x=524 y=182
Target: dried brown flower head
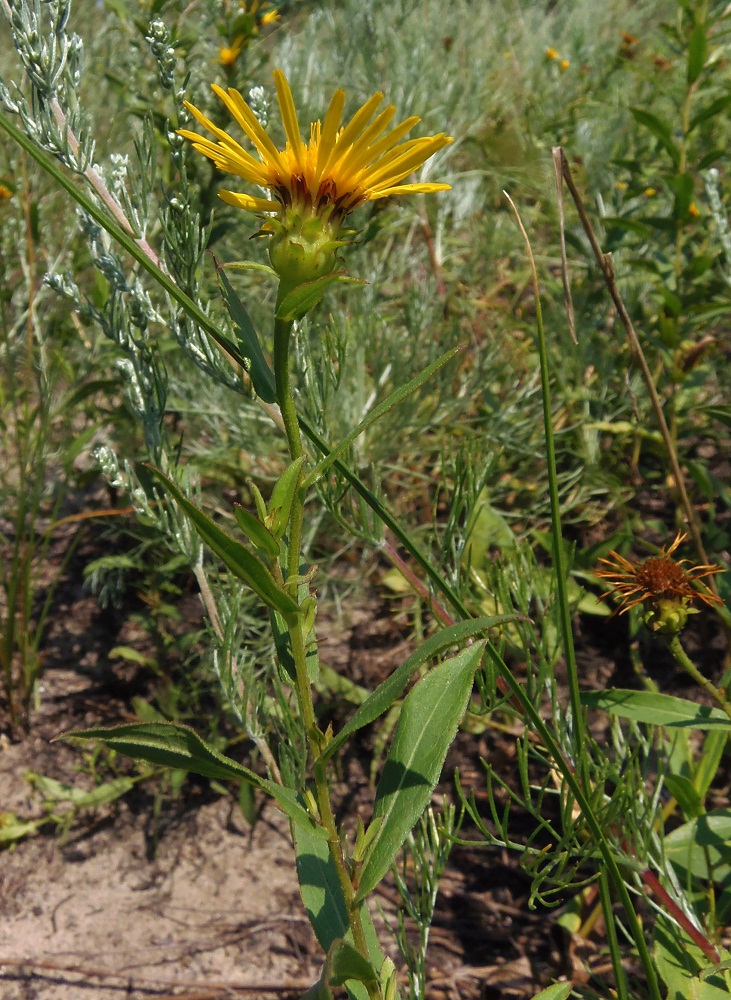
x=662 y=584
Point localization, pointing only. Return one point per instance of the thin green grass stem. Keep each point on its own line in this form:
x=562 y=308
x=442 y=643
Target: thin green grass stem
x=559 y=557
x=620 y=976
x=575 y=784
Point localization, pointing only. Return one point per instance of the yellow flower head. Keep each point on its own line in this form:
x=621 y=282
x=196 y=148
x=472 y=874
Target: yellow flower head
x=564 y=65
x=5 y=192
x=552 y=54
x=340 y=168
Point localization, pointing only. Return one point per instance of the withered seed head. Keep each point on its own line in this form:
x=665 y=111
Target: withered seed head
x=661 y=584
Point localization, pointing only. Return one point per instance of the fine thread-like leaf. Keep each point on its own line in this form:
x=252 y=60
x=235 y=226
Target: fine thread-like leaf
x=126 y=240
x=391 y=401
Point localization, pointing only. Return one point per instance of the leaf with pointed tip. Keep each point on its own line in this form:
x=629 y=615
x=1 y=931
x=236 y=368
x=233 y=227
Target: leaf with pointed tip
x=172 y=745
x=386 y=693
x=323 y=897
x=697 y=50
x=429 y=719
x=242 y=563
x=345 y=963
x=656 y=709
x=282 y=498
x=660 y=129
x=262 y=377
x=559 y=991
x=306 y=296
x=257 y=533
x=385 y=406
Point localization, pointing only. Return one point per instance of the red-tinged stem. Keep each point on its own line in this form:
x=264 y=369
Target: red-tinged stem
x=653 y=883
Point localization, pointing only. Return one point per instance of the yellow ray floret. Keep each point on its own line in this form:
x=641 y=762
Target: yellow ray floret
x=338 y=169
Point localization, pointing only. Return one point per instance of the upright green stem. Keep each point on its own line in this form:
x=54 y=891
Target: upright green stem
x=298 y=639
x=282 y=331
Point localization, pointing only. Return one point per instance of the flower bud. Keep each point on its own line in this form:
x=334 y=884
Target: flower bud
x=303 y=247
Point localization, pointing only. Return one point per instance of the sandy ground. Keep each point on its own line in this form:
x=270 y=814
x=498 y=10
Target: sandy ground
x=215 y=905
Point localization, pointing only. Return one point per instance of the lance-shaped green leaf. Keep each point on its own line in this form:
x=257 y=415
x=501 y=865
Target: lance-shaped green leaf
x=262 y=377
x=257 y=533
x=393 y=687
x=661 y=131
x=559 y=991
x=171 y=745
x=242 y=563
x=345 y=963
x=429 y=719
x=656 y=709
x=396 y=397
x=282 y=498
x=697 y=50
x=323 y=898
x=305 y=297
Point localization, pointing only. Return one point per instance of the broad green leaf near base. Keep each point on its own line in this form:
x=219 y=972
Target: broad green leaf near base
x=429 y=719
x=324 y=902
x=703 y=841
x=172 y=745
x=679 y=962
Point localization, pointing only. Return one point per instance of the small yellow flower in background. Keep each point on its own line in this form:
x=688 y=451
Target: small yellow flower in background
x=693 y=210
x=228 y=54
x=552 y=55
x=649 y=192
x=256 y=9
x=662 y=584
x=564 y=65
x=621 y=185
x=5 y=192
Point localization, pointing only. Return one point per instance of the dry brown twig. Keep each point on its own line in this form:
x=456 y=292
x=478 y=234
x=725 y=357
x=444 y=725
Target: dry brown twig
x=606 y=265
